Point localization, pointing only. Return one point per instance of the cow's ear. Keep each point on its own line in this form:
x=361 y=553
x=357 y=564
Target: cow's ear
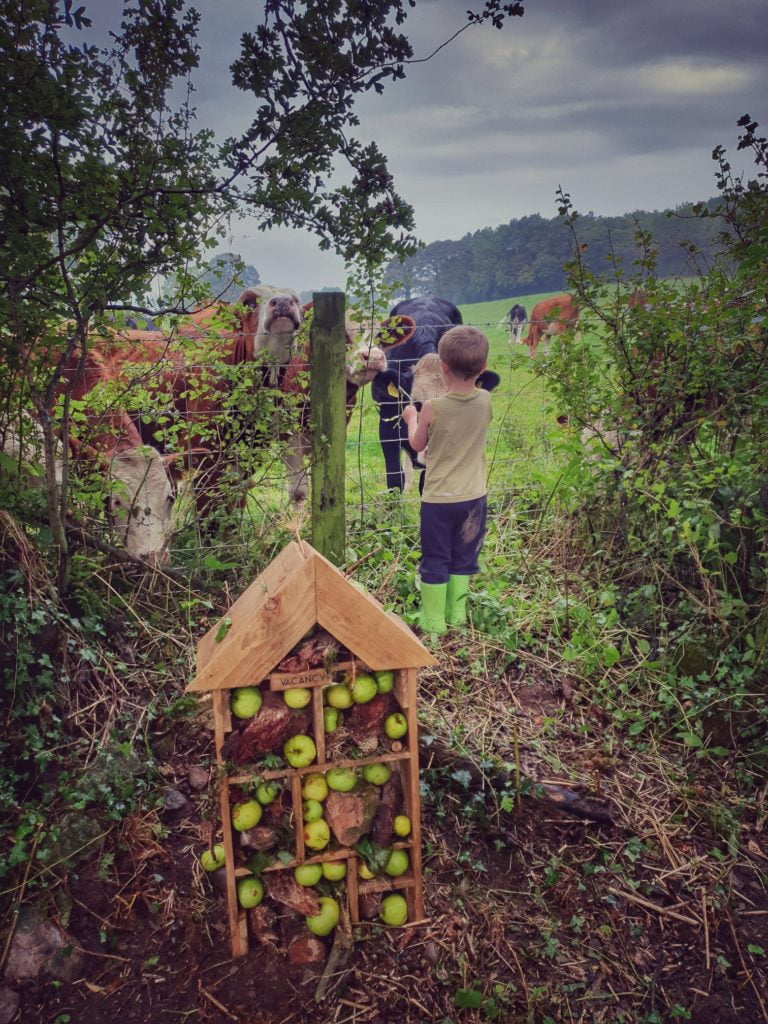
x=488 y=380
x=249 y=298
x=395 y=330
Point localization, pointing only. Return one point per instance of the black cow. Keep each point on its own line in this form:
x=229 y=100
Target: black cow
x=391 y=389
x=516 y=320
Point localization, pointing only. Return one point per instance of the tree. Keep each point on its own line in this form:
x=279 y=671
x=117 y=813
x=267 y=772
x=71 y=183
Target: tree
x=227 y=275
x=105 y=185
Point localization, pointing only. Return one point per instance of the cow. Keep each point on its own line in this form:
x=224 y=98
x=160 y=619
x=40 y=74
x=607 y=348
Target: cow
x=361 y=367
x=548 y=318
x=425 y=320
x=139 y=492
x=262 y=326
x=516 y=319
x=428 y=384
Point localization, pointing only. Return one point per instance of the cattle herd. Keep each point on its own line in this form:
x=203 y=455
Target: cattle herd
x=186 y=378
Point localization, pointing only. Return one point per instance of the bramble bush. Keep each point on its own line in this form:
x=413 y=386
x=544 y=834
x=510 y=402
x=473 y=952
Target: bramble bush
x=667 y=401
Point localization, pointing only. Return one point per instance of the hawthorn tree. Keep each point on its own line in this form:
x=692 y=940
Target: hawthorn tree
x=105 y=182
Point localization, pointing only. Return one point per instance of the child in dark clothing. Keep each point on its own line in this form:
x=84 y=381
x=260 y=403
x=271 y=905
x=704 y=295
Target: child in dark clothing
x=453 y=509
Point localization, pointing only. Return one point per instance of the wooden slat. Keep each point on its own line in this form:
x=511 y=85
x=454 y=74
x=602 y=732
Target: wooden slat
x=267 y=582
x=360 y=623
x=312 y=677
x=262 y=633
x=239 y=945
x=410 y=774
x=298 y=817
x=359 y=762
x=318 y=724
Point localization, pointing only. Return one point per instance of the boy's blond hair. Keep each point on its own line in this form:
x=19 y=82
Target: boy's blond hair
x=464 y=350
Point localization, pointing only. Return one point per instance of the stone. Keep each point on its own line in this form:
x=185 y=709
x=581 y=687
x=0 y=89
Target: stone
x=349 y=815
x=174 y=800
x=198 y=778
x=41 y=948
x=9 y=1004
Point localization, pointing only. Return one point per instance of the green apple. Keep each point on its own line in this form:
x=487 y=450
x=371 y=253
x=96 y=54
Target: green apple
x=317 y=835
x=397 y=864
x=338 y=696
x=213 y=860
x=311 y=810
x=393 y=909
x=334 y=870
x=308 y=874
x=377 y=774
x=246 y=815
x=385 y=680
x=314 y=787
x=364 y=688
x=331 y=719
x=364 y=871
x=326 y=920
x=267 y=792
x=297 y=697
x=343 y=780
x=401 y=826
x=246 y=701
x=299 y=751
x=396 y=725
x=250 y=892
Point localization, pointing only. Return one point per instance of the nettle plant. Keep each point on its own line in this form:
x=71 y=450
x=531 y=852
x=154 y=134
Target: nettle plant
x=666 y=391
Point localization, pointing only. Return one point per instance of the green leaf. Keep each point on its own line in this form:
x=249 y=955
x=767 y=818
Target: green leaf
x=224 y=627
x=690 y=739
x=468 y=999
x=756 y=950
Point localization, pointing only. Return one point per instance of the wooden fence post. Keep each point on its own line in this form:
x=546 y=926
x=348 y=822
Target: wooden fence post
x=329 y=425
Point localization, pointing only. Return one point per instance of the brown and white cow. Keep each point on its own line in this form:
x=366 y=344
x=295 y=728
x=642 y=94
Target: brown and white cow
x=548 y=318
x=184 y=382
x=138 y=489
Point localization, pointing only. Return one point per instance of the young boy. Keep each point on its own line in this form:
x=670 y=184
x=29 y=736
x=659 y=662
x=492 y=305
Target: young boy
x=453 y=508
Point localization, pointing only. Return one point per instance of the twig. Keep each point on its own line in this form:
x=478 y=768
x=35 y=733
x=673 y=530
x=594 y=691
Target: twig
x=665 y=911
x=745 y=969
x=706 y=926
x=216 y=1003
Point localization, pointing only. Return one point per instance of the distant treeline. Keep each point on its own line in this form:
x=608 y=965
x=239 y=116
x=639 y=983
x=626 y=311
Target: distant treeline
x=527 y=255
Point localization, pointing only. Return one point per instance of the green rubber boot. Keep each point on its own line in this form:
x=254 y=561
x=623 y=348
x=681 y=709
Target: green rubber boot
x=456 y=600
x=432 y=616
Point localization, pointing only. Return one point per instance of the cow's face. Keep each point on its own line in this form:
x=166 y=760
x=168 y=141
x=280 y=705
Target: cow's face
x=140 y=503
x=280 y=313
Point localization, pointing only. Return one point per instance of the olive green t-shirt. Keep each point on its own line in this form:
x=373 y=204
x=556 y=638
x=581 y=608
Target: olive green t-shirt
x=456 y=468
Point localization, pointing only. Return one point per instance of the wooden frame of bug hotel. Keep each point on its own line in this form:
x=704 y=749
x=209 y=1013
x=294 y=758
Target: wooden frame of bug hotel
x=269 y=627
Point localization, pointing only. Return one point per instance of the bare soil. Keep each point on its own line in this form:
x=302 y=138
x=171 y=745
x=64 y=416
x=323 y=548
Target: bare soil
x=533 y=916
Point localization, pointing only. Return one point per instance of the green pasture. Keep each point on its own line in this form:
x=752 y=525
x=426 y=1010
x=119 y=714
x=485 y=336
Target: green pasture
x=522 y=449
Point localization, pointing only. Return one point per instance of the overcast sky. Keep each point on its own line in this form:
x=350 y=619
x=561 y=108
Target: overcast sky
x=619 y=101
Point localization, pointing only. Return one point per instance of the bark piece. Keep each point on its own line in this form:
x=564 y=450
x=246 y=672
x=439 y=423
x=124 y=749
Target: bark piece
x=267 y=731
x=261 y=922
x=548 y=795
x=369 y=905
x=260 y=838
x=391 y=801
x=349 y=815
x=367 y=720
x=283 y=888
x=300 y=944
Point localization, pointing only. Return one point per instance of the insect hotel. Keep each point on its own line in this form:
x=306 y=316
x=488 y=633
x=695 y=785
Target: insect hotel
x=314 y=702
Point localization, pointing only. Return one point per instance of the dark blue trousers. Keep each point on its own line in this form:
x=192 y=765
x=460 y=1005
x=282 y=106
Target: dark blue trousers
x=452 y=537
